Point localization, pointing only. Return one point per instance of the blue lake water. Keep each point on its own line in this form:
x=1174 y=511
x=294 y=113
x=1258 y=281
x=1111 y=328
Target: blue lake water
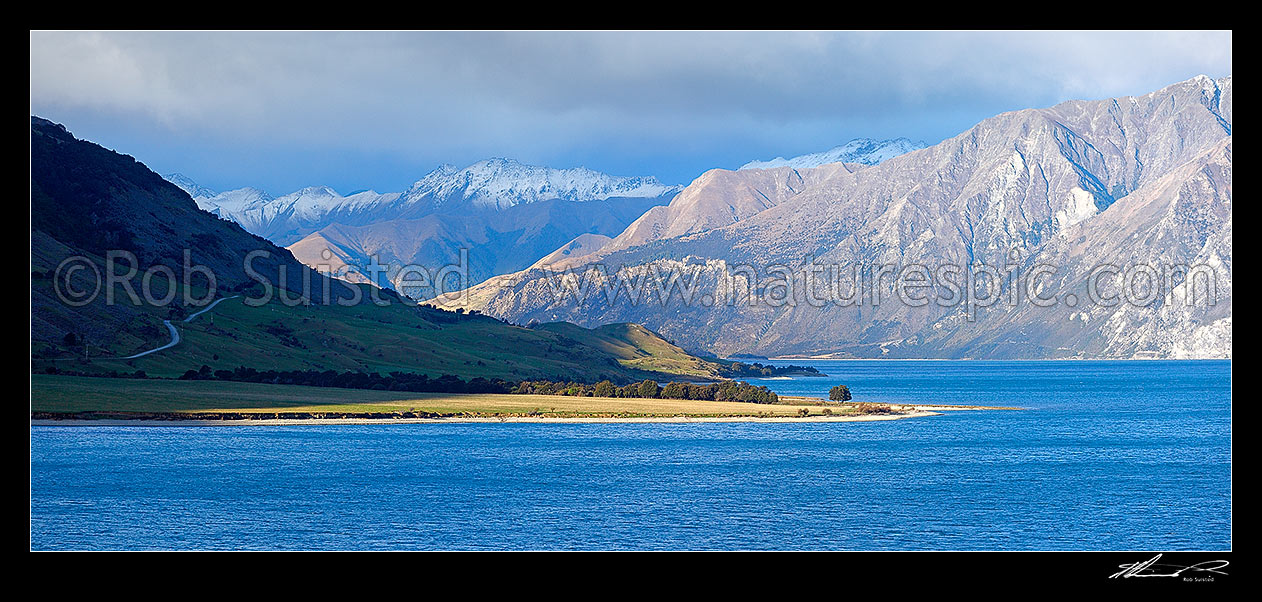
x=1108 y=455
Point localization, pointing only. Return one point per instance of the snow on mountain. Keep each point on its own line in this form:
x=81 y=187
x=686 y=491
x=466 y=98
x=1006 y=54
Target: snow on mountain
x=288 y=218
x=1129 y=181
x=311 y=202
x=245 y=206
x=860 y=150
x=232 y=202
x=502 y=183
x=492 y=185
x=186 y=184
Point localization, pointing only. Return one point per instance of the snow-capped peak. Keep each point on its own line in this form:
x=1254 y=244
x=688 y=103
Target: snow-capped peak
x=860 y=150
x=499 y=183
x=312 y=201
x=494 y=184
x=240 y=198
x=187 y=184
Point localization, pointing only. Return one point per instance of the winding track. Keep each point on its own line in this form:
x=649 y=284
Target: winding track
x=175 y=334
x=175 y=339
x=209 y=307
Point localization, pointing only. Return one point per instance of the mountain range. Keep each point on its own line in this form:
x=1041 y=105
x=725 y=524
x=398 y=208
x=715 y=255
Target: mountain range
x=504 y=213
x=1130 y=181
x=88 y=202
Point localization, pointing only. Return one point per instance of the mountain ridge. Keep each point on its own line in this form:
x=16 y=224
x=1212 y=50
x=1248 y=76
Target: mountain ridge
x=1008 y=186
x=489 y=185
x=88 y=201
x=864 y=151
x=505 y=213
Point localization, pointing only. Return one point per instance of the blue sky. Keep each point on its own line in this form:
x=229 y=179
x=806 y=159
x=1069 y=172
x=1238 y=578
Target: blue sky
x=282 y=110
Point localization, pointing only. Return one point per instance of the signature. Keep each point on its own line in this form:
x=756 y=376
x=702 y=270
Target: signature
x=1150 y=568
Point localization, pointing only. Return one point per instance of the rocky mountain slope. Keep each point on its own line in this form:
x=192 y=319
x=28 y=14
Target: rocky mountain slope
x=1129 y=180
x=87 y=201
x=492 y=242
x=504 y=213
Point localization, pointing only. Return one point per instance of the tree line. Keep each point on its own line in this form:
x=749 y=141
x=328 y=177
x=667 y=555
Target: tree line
x=757 y=370
x=394 y=381
x=727 y=390
x=649 y=389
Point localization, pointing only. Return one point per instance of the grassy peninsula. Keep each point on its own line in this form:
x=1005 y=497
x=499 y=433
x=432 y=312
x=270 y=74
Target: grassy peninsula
x=59 y=396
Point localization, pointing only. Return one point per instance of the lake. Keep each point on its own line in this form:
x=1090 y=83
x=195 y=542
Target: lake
x=1107 y=455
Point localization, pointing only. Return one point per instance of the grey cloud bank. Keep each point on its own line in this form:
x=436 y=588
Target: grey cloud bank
x=377 y=110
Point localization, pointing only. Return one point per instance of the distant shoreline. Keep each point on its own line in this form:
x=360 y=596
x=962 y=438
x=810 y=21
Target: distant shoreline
x=976 y=359
x=256 y=419
x=469 y=420
x=73 y=400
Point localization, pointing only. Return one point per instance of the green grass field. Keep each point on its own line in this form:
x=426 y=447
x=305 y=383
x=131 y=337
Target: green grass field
x=365 y=337
x=371 y=338
x=74 y=394
x=637 y=347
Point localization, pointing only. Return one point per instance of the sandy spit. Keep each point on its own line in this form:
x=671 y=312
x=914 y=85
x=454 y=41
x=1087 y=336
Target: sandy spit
x=464 y=420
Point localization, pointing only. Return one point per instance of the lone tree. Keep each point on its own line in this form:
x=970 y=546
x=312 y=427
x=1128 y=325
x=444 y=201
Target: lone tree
x=839 y=393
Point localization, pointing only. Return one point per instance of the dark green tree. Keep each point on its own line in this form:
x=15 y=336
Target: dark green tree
x=839 y=393
x=675 y=391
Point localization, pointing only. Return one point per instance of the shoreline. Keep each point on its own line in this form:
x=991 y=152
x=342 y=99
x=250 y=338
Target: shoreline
x=785 y=358
x=72 y=422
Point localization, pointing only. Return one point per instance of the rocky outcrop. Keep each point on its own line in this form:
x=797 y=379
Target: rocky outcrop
x=1131 y=180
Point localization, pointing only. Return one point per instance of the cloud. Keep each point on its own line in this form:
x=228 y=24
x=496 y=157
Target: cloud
x=541 y=96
